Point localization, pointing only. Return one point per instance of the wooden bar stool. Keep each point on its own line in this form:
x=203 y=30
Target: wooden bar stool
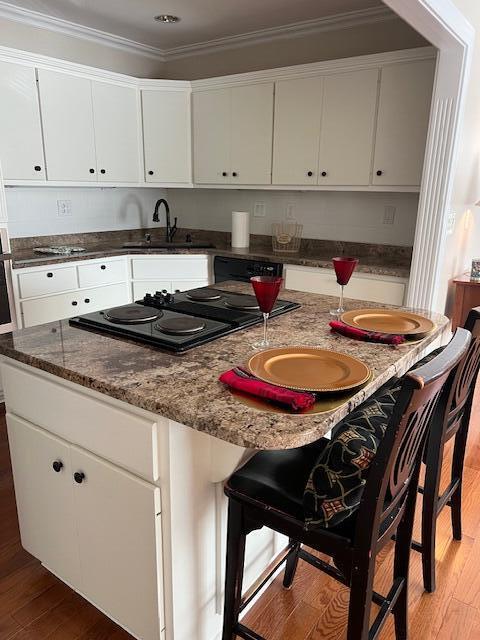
x=269 y=491
x=450 y=420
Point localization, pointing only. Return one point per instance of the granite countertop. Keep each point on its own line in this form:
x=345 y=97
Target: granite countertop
x=390 y=261
x=185 y=387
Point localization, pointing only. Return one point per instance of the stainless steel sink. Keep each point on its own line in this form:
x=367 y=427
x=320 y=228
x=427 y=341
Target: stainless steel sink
x=168 y=245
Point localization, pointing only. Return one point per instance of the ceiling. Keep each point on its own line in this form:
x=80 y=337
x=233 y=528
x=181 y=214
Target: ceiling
x=200 y=20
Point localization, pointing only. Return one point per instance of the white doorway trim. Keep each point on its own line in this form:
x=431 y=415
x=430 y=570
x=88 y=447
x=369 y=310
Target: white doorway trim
x=442 y=24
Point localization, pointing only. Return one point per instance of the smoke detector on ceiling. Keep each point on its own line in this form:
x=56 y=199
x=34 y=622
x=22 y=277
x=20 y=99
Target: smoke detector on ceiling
x=167 y=18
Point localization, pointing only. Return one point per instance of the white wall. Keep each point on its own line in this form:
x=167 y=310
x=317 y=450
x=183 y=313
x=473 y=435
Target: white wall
x=58 y=45
x=356 y=217
x=33 y=211
x=328 y=45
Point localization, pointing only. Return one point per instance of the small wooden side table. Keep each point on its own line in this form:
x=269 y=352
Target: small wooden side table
x=467 y=296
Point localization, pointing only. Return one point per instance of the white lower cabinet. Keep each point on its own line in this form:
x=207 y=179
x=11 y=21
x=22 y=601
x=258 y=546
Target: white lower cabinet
x=383 y=289
x=93 y=524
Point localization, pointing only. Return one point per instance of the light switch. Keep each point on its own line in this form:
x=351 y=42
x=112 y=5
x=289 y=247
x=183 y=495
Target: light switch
x=259 y=210
x=389 y=214
x=64 y=207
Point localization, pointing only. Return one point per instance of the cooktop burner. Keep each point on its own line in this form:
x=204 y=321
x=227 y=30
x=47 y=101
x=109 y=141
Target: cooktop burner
x=180 y=326
x=132 y=314
x=244 y=302
x=203 y=295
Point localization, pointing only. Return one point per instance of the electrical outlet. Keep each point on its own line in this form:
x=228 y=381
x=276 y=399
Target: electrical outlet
x=259 y=210
x=64 y=208
x=389 y=214
x=450 y=223
x=290 y=211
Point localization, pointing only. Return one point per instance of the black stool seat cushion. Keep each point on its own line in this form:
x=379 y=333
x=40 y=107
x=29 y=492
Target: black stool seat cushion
x=335 y=485
x=278 y=478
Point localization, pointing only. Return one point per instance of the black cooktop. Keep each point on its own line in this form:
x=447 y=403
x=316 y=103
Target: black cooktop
x=181 y=321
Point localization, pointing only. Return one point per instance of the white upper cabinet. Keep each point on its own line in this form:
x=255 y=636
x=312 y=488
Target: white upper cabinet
x=21 y=150
x=403 y=114
x=116 y=125
x=347 y=130
x=167 y=135
x=67 y=116
x=211 y=129
x=233 y=135
x=298 y=105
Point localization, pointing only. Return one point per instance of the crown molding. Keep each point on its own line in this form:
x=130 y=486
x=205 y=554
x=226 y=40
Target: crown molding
x=50 y=23
x=335 y=22
x=338 y=21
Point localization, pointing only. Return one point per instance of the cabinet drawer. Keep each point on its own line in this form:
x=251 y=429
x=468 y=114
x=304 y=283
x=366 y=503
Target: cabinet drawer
x=92 y=275
x=119 y=436
x=66 y=305
x=170 y=268
x=323 y=281
x=40 y=283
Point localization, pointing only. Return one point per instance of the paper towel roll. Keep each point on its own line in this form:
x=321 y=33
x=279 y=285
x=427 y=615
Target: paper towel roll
x=240 y=229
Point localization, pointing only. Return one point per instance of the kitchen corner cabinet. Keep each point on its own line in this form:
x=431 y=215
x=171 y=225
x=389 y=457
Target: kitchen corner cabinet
x=233 y=135
x=90 y=522
x=21 y=146
x=90 y=129
x=167 y=135
x=403 y=115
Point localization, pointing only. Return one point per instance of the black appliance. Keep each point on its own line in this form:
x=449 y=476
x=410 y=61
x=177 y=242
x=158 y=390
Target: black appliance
x=182 y=321
x=5 y=317
x=242 y=270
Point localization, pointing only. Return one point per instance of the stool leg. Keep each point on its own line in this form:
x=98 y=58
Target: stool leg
x=236 y=538
x=361 y=586
x=457 y=473
x=291 y=565
x=429 y=508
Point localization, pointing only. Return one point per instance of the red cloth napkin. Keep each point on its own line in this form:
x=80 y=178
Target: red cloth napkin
x=296 y=400
x=367 y=336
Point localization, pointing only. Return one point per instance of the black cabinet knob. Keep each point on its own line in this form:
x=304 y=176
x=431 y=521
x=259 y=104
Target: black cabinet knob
x=324 y=173
x=309 y=174
x=87 y=300
x=37 y=167
x=150 y=173
x=224 y=174
x=57 y=466
x=79 y=477
x=49 y=274
x=379 y=173
x=74 y=303
x=103 y=267
x=234 y=174
x=102 y=171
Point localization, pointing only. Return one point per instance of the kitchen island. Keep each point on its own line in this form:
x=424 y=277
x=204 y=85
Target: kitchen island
x=119 y=451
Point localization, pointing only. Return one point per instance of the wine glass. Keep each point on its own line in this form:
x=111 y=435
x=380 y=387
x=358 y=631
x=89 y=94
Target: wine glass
x=344 y=267
x=266 y=290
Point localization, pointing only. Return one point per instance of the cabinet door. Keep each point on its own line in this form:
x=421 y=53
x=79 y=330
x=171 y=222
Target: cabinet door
x=296 y=136
x=403 y=114
x=211 y=133
x=44 y=497
x=21 y=146
x=116 y=123
x=118 y=526
x=251 y=134
x=167 y=136
x=67 y=117
x=348 y=120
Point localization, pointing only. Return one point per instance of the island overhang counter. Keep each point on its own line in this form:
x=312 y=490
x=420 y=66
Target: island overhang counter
x=119 y=451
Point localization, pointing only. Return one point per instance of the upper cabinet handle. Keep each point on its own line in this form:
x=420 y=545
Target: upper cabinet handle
x=234 y=174
x=102 y=171
x=224 y=174
x=379 y=173
x=309 y=174
x=79 y=477
x=150 y=173
x=324 y=173
x=57 y=466
x=92 y=170
x=37 y=167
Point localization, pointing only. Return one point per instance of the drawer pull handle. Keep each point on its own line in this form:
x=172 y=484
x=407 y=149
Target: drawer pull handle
x=92 y=170
x=79 y=477
x=49 y=274
x=324 y=173
x=74 y=303
x=102 y=171
x=87 y=300
x=37 y=167
x=150 y=173
x=379 y=173
x=57 y=466
x=309 y=174
x=103 y=267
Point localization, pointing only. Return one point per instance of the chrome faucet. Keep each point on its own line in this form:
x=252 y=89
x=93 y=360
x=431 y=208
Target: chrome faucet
x=171 y=230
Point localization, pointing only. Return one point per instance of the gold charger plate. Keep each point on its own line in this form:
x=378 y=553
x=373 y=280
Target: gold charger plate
x=388 y=321
x=309 y=369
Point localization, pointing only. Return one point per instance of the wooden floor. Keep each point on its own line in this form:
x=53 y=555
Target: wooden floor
x=34 y=605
